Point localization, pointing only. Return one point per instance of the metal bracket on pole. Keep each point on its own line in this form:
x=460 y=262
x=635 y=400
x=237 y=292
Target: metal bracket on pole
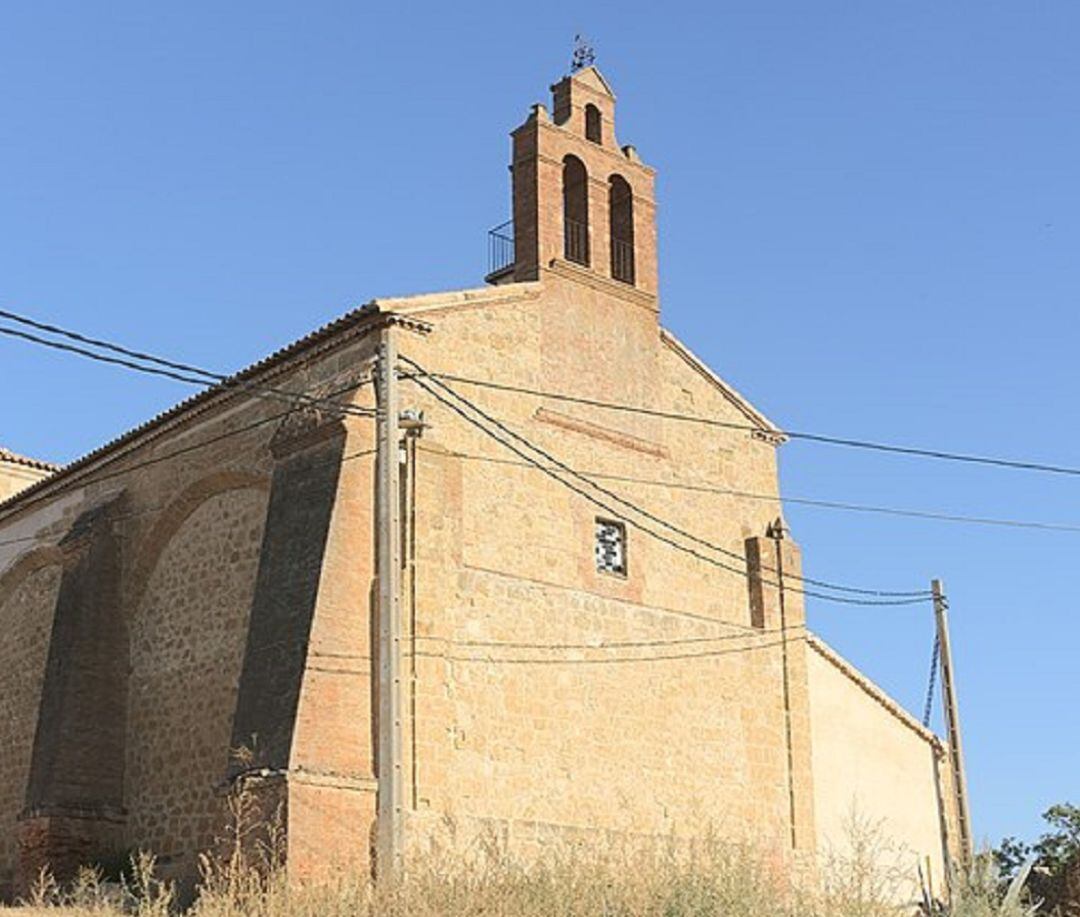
x=389 y=808
x=952 y=723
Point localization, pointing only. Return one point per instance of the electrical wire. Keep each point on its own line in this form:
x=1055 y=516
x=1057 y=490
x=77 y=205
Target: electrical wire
x=107 y=345
x=637 y=524
x=872 y=445
x=611 y=660
x=181 y=372
x=189 y=374
x=801 y=501
x=101 y=358
x=747 y=634
x=921 y=594
x=935 y=661
x=169 y=372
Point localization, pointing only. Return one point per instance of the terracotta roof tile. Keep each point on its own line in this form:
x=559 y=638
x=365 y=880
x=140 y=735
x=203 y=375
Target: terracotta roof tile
x=13 y=458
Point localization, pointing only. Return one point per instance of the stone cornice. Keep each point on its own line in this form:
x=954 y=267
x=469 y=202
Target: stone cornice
x=463 y=299
x=590 y=278
x=596 y=431
x=616 y=154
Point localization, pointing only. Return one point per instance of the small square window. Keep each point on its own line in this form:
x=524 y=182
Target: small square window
x=610 y=547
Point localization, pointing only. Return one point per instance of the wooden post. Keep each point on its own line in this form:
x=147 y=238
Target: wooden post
x=952 y=723
x=389 y=814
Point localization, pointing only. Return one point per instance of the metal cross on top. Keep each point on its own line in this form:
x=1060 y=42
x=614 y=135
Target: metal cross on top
x=584 y=54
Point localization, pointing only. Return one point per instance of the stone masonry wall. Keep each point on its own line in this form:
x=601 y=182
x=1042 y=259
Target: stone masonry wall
x=548 y=701
x=544 y=700
x=187 y=639
x=27 y=596
x=191 y=534
x=332 y=787
x=552 y=699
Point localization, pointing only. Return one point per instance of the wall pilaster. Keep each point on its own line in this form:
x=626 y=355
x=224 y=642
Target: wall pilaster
x=74 y=811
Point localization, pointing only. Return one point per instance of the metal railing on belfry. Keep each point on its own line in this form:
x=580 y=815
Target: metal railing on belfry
x=576 y=241
x=501 y=248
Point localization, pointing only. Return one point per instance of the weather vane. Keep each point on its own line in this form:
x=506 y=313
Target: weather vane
x=584 y=54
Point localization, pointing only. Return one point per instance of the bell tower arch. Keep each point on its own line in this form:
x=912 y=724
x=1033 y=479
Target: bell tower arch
x=579 y=198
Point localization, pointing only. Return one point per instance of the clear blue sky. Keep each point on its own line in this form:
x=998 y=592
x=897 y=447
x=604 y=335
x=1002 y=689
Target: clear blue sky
x=869 y=221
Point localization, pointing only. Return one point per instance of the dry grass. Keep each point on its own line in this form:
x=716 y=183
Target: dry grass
x=710 y=879
x=714 y=882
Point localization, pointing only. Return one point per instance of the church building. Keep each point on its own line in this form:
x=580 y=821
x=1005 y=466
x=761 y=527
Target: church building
x=502 y=563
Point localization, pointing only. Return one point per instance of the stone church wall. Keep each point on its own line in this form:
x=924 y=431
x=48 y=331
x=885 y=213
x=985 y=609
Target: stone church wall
x=332 y=785
x=27 y=596
x=543 y=699
x=196 y=579
x=523 y=724
x=188 y=634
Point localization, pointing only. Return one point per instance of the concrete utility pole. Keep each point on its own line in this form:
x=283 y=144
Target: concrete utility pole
x=952 y=722
x=389 y=813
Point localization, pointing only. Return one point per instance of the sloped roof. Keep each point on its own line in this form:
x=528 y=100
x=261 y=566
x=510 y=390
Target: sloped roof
x=13 y=458
x=199 y=401
x=594 y=79
x=355 y=319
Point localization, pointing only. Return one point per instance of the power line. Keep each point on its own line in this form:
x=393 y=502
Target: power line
x=611 y=660
x=152 y=510
x=148 y=511
x=853 y=443
x=935 y=659
x=179 y=371
x=648 y=515
x=802 y=501
x=101 y=358
x=939 y=517
x=165 y=368
x=106 y=345
x=917 y=597
x=747 y=634
x=645 y=513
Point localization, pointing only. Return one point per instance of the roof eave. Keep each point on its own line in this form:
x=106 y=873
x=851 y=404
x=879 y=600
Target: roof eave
x=367 y=318
x=737 y=399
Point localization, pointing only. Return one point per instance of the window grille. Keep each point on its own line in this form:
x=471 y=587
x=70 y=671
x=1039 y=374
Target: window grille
x=610 y=547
